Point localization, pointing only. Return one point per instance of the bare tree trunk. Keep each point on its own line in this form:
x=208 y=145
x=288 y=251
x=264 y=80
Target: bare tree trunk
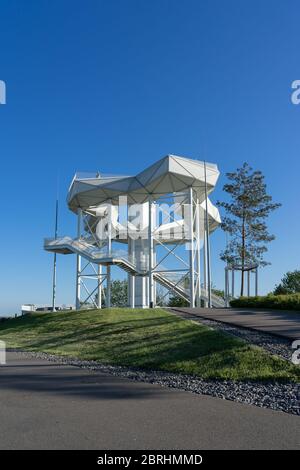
x=242 y=283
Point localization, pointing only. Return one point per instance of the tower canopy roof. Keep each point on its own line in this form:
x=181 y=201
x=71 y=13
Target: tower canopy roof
x=171 y=174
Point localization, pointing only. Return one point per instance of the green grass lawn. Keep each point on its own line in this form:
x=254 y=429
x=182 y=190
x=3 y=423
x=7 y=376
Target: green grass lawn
x=150 y=339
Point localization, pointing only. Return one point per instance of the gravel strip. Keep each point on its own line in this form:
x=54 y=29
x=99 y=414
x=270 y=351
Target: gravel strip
x=276 y=396
x=273 y=344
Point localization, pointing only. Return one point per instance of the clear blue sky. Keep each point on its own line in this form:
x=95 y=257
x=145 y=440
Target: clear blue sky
x=115 y=85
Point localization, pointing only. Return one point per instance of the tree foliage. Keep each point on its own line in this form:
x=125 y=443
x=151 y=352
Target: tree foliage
x=177 y=301
x=290 y=283
x=118 y=296
x=245 y=219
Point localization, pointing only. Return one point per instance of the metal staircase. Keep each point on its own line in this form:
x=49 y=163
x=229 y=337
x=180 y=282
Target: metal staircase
x=180 y=289
x=98 y=255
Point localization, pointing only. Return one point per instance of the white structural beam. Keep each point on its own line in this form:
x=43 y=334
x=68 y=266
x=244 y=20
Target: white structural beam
x=132 y=292
x=191 y=248
x=256 y=282
x=151 y=255
x=205 y=264
x=99 y=297
x=198 y=254
x=248 y=282
x=108 y=287
x=226 y=287
x=78 y=262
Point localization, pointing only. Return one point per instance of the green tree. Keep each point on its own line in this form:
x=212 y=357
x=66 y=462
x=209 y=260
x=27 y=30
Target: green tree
x=161 y=298
x=218 y=292
x=118 y=296
x=177 y=301
x=290 y=283
x=245 y=219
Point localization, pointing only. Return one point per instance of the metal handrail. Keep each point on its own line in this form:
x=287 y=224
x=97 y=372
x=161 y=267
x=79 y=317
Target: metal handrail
x=96 y=253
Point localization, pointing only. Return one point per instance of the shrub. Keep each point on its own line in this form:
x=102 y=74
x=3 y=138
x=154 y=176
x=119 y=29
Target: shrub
x=177 y=301
x=290 y=283
x=283 y=302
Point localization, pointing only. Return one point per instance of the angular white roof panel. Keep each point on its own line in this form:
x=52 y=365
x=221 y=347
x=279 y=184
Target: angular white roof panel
x=170 y=174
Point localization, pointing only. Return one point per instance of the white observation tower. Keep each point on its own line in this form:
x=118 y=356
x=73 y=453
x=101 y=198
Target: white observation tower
x=155 y=226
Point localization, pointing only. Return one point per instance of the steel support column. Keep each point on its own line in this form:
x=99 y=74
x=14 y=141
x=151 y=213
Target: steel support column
x=132 y=294
x=191 y=237
x=205 y=265
x=150 y=267
x=226 y=287
x=198 y=261
x=248 y=282
x=99 y=286
x=256 y=282
x=108 y=286
x=78 y=262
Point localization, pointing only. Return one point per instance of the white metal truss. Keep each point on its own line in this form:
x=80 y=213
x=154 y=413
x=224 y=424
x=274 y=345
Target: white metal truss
x=185 y=280
x=90 y=277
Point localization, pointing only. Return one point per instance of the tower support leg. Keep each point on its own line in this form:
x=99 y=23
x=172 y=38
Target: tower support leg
x=256 y=282
x=205 y=268
x=248 y=283
x=108 y=287
x=99 y=297
x=150 y=267
x=226 y=288
x=78 y=282
x=191 y=237
x=132 y=294
x=198 y=241
x=78 y=262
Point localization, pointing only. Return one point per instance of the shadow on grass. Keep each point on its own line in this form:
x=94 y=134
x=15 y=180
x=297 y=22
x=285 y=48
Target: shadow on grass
x=155 y=340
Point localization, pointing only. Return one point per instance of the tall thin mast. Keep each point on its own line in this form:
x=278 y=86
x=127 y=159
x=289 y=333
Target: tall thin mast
x=207 y=240
x=54 y=259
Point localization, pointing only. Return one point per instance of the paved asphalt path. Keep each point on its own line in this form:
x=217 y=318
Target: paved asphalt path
x=45 y=405
x=277 y=322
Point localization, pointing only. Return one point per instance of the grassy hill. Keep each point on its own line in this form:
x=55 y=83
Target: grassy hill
x=150 y=339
